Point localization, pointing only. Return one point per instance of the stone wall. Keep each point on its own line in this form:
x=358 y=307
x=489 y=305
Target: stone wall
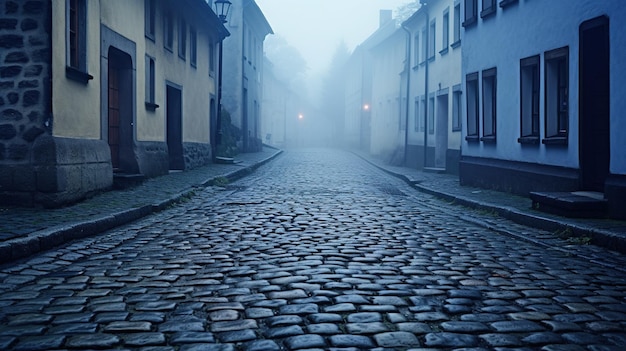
x=25 y=70
x=196 y=154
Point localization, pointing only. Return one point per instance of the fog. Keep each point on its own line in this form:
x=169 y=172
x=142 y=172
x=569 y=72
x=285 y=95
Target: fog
x=312 y=40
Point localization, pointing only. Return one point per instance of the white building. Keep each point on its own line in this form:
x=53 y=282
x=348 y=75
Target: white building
x=434 y=80
x=544 y=85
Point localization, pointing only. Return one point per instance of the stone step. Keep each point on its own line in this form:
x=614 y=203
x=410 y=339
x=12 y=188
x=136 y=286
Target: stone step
x=126 y=180
x=578 y=204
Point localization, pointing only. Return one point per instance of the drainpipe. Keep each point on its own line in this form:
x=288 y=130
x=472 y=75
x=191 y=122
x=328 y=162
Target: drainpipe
x=408 y=85
x=426 y=99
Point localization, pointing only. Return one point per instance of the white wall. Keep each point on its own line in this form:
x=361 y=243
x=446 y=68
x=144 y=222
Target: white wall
x=528 y=28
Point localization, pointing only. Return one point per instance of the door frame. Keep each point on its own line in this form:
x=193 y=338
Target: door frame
x=594 y=151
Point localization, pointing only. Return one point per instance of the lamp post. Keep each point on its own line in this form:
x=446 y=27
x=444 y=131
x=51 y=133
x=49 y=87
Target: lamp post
x=222 y=7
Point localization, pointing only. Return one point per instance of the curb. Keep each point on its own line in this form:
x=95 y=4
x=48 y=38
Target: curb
x=598 y=237
x=50 y=238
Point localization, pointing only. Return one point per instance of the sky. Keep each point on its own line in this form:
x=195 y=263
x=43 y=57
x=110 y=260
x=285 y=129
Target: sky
x=316 y=27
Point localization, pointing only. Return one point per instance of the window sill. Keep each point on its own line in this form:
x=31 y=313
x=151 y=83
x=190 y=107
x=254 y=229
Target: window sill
x=469 y=22
x=555 y=140
x=168 y=48
x=472 y=138
x=151 y=106
x=150 y=37
x=416 y=67
x=505 y=3
x=456 y=44
x=193 y=64
x=458 y=129
x=528 y=140
x=491 y=139
x=77 y=75
x=443 y=51
x=423 y=63
x=431 y=59
x=488 y=12
x=182 y=57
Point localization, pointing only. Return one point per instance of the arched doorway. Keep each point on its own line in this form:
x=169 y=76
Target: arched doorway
x=120 y=122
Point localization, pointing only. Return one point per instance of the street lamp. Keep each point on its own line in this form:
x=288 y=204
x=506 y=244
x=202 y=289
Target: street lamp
x=222 y=7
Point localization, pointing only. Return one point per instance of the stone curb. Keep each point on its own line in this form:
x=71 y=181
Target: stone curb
x=598 y=237
x=49 y=238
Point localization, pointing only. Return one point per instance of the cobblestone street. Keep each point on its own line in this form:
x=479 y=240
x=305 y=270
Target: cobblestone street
x=315 y=250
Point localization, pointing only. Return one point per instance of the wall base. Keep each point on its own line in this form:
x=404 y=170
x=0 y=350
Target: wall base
x=615 y=193
x=516 y=177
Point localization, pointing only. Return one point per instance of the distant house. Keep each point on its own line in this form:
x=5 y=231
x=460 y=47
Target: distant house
x=93 y=89
x=544 y=91
x=435 y=92
x=243 y=70
x=359 y=86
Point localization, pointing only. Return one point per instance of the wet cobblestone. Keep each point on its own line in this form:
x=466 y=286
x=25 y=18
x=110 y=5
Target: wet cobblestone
x=317 y=250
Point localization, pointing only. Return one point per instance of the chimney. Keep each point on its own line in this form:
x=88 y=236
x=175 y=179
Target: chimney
x=385 y=17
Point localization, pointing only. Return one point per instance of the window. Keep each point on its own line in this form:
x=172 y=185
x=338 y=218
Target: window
x=471 y=12
x=182 y=39
x=149 y=7
x=471 y=82
x=456 y=35
x=445 y=32
x=456 y=108
x=193 y=46
x=431 y=115
x=416 y=127
x=489 y=7
x=211 y=59
x=556 y=100
x=424 y=45
x=489 y=105
x=76 y=41
x=431 y=40
x=529 y=100
x=168 y=30
x=504 y=3
x=150 y=84
x=423 y=114
x=416 y=49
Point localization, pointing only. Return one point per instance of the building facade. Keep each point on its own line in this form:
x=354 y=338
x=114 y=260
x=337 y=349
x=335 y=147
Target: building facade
x=434 y=110
x=544 y=113
x=243 y=71
x=93 y=98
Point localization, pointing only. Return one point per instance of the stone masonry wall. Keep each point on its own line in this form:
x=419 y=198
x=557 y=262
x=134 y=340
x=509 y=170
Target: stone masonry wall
x=25 y=58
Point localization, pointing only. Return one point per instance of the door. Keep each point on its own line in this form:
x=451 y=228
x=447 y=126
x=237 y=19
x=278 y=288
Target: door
x=174 y=116
x=114 y=117
x=120 y=112
x=594 y=117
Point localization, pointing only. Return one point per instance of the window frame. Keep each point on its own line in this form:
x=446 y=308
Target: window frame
x=193 y=46
x=489 y=104
x=150 y=19
x=530 y=90
x=431 y=114
x=76 y=41
x=416 y=50
x=456 y=34
x=471 y=13
x=150 y=84
x=472 y=107
x=168 y=30
x=445 y=32
x=555 y=132
x=182 y=38
x=212 y=59
x=489 y=8
x=416 y=127
x=424 y=46
x=432 y=42
x=457 y=108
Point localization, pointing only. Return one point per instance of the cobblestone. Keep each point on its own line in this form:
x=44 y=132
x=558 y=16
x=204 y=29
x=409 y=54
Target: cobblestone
x=316 y=251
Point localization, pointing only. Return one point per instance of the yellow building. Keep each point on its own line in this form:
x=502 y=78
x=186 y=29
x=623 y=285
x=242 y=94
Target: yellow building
x=110 y=90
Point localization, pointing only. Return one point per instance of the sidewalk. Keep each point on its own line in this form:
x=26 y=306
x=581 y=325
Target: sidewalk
x=606 y=233
x=26 y=231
